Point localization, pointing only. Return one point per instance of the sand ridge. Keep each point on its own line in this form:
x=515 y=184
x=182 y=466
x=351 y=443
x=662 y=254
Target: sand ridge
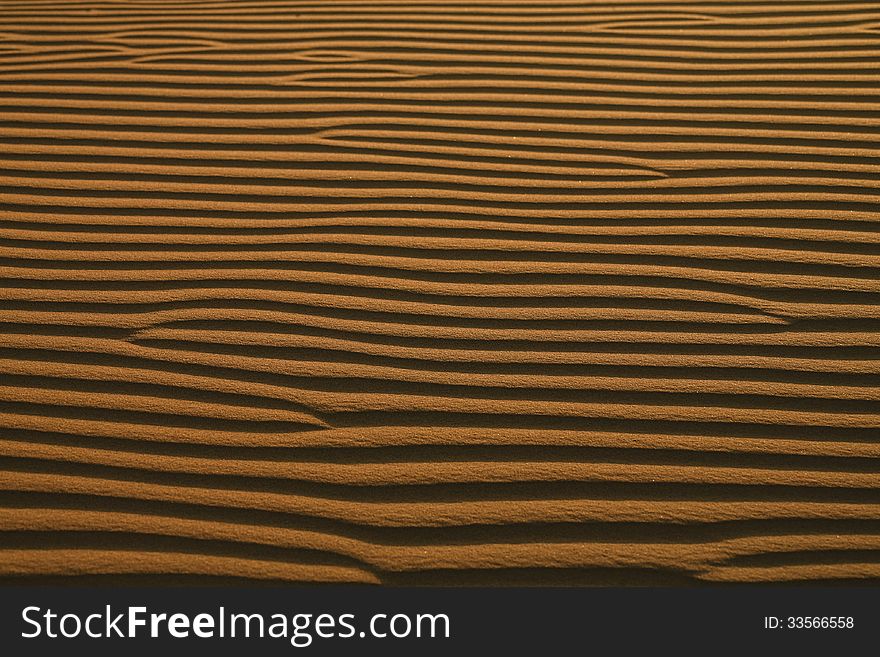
x=422 y=292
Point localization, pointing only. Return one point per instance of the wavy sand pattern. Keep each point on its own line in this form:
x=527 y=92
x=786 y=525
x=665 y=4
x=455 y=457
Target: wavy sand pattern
x=422 y=291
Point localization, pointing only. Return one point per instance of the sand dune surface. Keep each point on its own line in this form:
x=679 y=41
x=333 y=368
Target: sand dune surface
x=439 y=292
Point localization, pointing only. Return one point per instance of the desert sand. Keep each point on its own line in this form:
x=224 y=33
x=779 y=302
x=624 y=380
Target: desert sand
x=439 y=291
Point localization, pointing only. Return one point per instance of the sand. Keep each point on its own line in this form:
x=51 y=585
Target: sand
x=439 y=292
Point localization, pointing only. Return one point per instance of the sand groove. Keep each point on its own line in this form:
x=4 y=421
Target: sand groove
x=440 y=292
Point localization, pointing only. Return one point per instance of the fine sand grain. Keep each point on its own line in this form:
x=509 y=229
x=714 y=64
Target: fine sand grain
x=439 y=291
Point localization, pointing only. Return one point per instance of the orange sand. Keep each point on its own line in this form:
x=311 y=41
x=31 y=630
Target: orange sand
x=439 y=292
